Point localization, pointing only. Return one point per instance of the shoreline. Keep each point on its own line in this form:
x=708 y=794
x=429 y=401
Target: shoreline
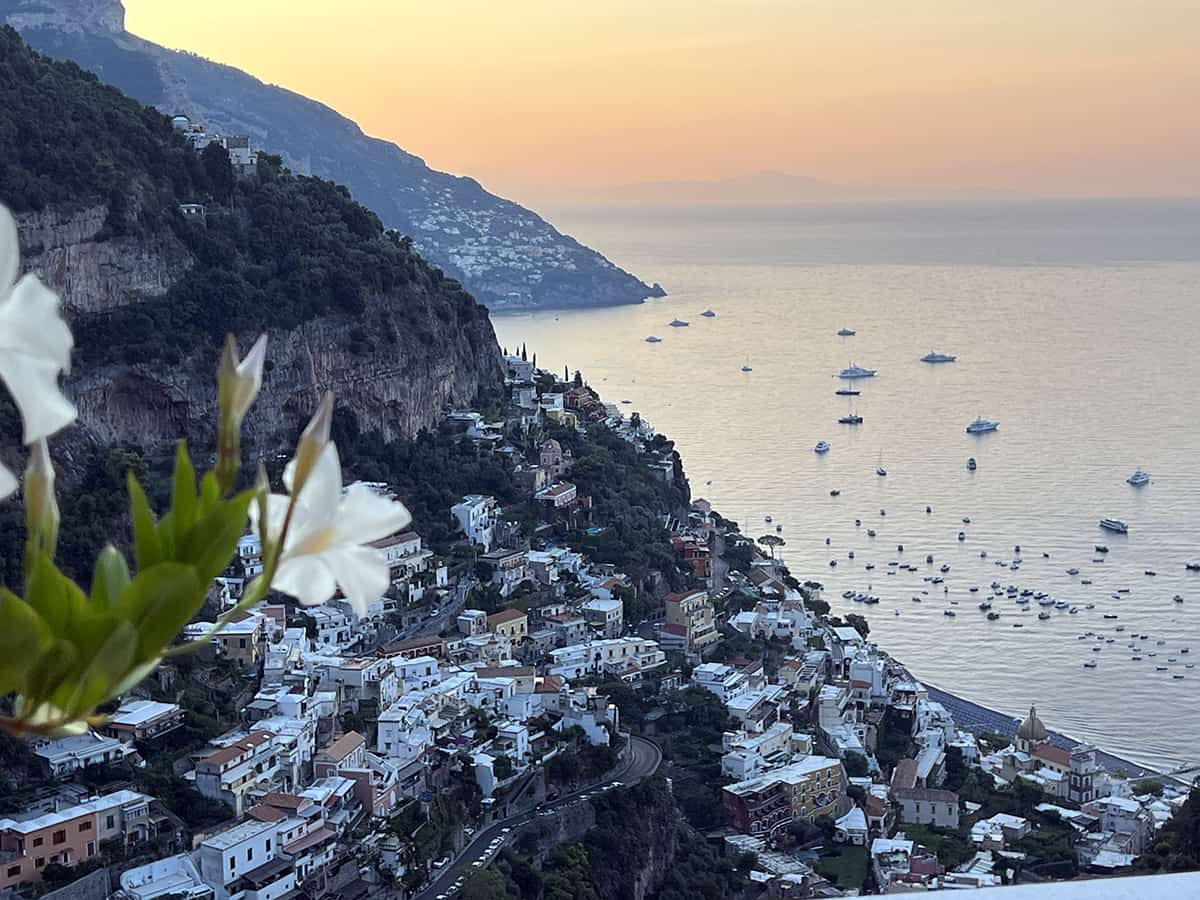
x=975 y=717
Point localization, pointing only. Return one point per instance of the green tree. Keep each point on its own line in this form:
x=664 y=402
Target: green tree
x=858 y=623
x=502 y=767
x=856 y=765
x=219 y=170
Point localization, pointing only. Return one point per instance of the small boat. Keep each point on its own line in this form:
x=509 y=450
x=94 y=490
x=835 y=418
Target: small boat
x=1138 y=478
x=1178 y=598
x=1151 y=572
x=982 y=425
x=966 y=520
x=848 y=392
x=962 y=535
x=678 y=323
x=870 y=532
x=828 y=541
x=1111 y=616
x=1045 y=555
x=856 y=371
x=944 y=569
x=835 y=493
x=870 y=567
x=851 y=419
x=767 y=519
x=929 y=558
x=708 y=314
x=626 y=402
x=899 y=548
x=983 y=554
x=949 y=612
x=883 y=512
x=1072 y=571
x=1085 y=581
x=971 y=464
x=1160 y=668
x=985 y=605
x=879 y=469
x=932 y=357
x=1177 y=676
x=858 y=523
x=779 y=528
x=928 y=510
x=832 y=563
x=822 y=447
x=653 y=340
x=1101 y=548
x=1090 y=664
x=746 y=368
x=846 y=332
x=1114 y=525
x=993 y=616
x=1192 y=567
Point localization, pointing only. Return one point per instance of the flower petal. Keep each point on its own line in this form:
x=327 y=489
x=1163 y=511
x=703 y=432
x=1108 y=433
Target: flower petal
x=10 y=250
x=307 y=578
x=33 y=383
x=30 y=323
x=365 y=516
x=8 y=481
x=361 y=574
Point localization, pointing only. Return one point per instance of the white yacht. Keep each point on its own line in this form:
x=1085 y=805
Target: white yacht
x=1138 y=478
x=653 y=340
x=846 y=332
x=934 y=357
x=822 y=447
x=982 y=425
x=1115 y=525
x=678 y=323
x=856 y=371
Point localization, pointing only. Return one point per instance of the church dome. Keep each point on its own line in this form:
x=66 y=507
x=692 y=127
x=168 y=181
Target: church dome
x=1032 y=729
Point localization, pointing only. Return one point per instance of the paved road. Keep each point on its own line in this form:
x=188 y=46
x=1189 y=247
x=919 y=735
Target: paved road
x=642 y=760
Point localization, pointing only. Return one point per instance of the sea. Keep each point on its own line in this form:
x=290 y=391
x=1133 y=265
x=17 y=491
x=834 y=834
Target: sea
x=1076 y=326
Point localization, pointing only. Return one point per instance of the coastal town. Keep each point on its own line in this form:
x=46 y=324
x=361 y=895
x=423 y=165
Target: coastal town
x=513 y=675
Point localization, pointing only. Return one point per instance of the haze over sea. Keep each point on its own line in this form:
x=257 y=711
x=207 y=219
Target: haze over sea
x=1076 y=326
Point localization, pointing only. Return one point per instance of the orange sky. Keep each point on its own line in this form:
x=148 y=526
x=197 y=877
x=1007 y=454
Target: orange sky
x=538 y=98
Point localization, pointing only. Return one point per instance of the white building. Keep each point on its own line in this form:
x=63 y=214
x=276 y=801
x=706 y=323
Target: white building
x=477 y=516
x=605 y=616
x=724 y=681
x=63 y=757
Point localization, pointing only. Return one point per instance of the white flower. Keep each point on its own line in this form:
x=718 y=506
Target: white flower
x=324 y=548
x=35 y=342
x=8 y=482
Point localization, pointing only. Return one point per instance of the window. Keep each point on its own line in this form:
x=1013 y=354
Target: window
x=242 y=643
x=91 y=848
x=110 y=823
x=268 y=848
x=39 y=862
x=85 y=826
x=232 y=863
x=249 y=854
x=14 y=871
x=60 y=837
x=37 y=842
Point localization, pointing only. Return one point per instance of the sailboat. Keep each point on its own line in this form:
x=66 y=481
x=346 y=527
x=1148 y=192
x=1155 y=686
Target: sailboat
x=746 y=366
x=880 y=470
x=851 y=418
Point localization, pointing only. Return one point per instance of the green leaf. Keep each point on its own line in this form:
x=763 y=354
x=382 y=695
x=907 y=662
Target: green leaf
x=147 y=549
x=210 y=494
x=109 y=578
x=105 y=651
x=159 y=602
x=52 y=667
x=211 y=544
x=55 y=597
x=183 y=493
x=22 y=638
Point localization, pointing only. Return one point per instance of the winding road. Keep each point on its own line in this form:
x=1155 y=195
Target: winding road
x=642 y=759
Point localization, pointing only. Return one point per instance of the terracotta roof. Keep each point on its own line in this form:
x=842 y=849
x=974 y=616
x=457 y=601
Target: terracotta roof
x=672 y=628
x=237 y=748
x=1051 y=753
x=683 y=595
x=921 y=866
x=344 y=746
x=550 y=684
x=505 y=615
x=266 y=813
x=875 y=806
x=312 y=839
x=905 y=774
x=285 y=801
x=930 y=794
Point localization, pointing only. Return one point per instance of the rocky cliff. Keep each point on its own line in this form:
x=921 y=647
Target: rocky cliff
x=506 y=255
x=149 y=291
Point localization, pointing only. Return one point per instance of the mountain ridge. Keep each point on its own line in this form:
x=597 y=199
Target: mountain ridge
x=509 y=257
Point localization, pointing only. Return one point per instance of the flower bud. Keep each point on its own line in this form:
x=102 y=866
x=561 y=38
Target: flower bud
x=41 y=506
x=312 y=444
x=238 y=384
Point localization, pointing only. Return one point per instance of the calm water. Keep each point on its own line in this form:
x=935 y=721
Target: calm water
x=1078 y=328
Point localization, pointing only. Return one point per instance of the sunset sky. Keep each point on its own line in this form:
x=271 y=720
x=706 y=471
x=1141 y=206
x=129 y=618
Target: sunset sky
x=539 y=98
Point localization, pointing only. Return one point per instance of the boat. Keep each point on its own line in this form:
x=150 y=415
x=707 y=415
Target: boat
x=1138 y=478
x=962 y=535
x=971 y=464
x=626 y=402
x=1178 y=598
x=966 y=520
x=653 y=340
x=846 y=332
x=848 y=392
x=1072 y=571
x=851 y=419
x=985 y=605
x=1110 y=615
x=746 y=368
x=779 y=528
x=708 y=314
x=835 y=493
x=993 y=616
x=1101 y=548
x=932 y=357
x=870 y=532
x=1090 y=664
x=879 y=469
x=822 y=447
x=944 y=569
x=1151 y=572
x=678 y=323
x=856 y=371
x=1192 y=567
x=1114 y=525
x=949 y=612
x=982 y=425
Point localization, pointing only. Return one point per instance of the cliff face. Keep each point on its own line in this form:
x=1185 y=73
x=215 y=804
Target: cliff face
x=506 y=255
x=438 y=351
